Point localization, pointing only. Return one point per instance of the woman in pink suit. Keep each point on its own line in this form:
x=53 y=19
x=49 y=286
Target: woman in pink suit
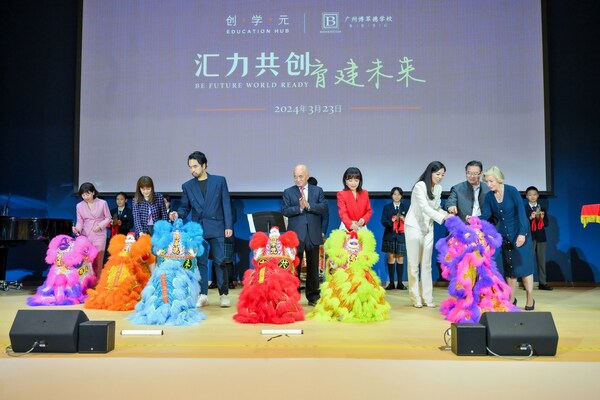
x=93 y=217
x=353 y=202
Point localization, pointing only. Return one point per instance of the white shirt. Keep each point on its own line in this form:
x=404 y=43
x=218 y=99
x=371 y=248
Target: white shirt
x=476 y=208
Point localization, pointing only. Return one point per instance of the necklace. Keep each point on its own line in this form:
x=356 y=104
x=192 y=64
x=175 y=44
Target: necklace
x=499 y=194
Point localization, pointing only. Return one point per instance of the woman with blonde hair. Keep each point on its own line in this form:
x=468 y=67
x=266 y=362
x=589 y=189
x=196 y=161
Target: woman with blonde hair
x=504 y=203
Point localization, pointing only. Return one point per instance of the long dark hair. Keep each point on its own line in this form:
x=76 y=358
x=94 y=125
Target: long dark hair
x=350 y=173
x=433 y=167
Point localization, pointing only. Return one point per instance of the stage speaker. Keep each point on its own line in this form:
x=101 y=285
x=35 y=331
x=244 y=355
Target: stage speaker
x=468 y=339
x=96 y=336
x=47 y=331
x=520 y=333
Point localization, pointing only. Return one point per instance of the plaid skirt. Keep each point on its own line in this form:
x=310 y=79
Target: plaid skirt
x=394 y=247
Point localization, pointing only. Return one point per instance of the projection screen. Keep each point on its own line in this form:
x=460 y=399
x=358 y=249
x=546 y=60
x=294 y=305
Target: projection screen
x=260 y=86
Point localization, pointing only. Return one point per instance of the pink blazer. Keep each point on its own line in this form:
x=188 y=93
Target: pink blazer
x=89 y=218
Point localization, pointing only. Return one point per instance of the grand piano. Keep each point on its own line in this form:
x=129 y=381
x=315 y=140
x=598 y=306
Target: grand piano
x=16 y=230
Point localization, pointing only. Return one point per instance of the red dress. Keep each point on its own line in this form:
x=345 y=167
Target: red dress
x=351 y=209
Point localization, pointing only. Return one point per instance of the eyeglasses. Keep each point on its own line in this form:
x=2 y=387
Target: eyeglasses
x=473 y=173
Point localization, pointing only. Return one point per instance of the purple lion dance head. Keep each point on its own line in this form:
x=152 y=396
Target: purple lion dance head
x=466 y=256
x=70 y=274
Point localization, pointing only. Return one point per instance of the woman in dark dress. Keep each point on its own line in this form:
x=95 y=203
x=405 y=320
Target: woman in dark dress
x=504 y=203
x=393 y=243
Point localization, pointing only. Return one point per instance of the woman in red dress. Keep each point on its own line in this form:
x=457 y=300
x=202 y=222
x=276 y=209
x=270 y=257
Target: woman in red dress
x=353 y=202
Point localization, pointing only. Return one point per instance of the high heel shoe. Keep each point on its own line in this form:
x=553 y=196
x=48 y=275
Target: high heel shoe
x=390 y=286
x=515 y=302
x=528 y=308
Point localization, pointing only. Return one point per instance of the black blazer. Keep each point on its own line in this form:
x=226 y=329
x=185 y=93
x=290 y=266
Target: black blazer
x=386 y=220
x=126 y=219
x=540 y=234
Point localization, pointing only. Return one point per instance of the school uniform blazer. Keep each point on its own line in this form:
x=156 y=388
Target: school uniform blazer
x=307 y=224
x=538 y=235
x=423 y=211
x=212 y=212
x=461 y=196
x=389 y=210
x=126 y=219
x=351 y=209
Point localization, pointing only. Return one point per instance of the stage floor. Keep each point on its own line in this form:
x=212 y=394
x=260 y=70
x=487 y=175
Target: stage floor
x=400 y=352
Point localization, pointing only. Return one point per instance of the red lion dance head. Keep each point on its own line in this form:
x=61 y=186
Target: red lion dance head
x=270 y=293
x=276 y=247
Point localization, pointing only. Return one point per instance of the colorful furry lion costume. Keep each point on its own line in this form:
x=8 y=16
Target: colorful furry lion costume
x=170 y=295
x=270 y=293
x=125 y=274
x=466 y=256
x=71 y=272
x=352 y=291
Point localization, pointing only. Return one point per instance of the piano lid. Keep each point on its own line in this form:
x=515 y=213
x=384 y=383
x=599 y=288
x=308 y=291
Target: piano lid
x=17 y=228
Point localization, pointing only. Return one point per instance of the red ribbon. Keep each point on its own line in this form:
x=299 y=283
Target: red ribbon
x=399 y=226
x=537 y=224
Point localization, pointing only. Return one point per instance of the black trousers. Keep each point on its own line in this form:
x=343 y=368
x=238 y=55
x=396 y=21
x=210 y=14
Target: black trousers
x=312 y=269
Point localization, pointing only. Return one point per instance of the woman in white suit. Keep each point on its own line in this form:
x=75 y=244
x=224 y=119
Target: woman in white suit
x=425 y=207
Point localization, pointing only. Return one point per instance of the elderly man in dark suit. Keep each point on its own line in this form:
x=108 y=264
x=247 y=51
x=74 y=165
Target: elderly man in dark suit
x=207 y=197
x=304 y=204
x=466 y=198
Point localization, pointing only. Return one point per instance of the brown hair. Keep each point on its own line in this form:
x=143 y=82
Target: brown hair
x=144 y=181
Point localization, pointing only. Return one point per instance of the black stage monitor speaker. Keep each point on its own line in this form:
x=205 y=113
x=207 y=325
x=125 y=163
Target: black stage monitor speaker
x=96 y=336
x=264 y=220
x=468 y=339
x=48 y=331
x=520 y=333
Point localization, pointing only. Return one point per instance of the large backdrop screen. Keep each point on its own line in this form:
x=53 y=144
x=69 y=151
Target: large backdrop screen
x=260 y=86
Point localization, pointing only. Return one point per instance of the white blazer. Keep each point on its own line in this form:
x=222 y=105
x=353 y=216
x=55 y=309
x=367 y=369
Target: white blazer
x=423 y=211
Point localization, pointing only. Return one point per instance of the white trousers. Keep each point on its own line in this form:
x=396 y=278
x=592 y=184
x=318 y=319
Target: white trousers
x=419 y=250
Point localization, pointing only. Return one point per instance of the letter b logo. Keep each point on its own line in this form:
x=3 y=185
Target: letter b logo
x=330 y=21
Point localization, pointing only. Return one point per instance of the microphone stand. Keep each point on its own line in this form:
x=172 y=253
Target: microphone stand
x=5 y=208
